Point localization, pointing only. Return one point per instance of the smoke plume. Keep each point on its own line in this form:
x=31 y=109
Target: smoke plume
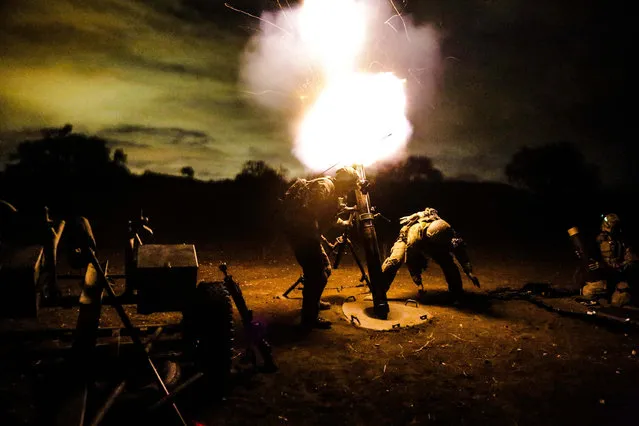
x=279 y=71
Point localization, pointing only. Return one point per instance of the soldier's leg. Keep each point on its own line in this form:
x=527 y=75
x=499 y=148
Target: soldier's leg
x=451 y=272
x=311 y=257
x=327 y=272
x=416 y=262
x=393 y=262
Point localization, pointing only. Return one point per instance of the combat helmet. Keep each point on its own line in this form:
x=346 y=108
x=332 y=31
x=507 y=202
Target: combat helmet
x=346 y=178
x=610 y=223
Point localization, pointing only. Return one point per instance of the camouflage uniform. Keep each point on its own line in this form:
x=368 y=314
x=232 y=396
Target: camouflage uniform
x=425 y=236
x=619 y=260
x=311 y=206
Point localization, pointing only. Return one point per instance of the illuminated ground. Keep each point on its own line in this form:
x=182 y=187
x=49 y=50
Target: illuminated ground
x=487 y=361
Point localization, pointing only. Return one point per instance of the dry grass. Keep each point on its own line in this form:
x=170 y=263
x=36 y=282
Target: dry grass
x=487 y=361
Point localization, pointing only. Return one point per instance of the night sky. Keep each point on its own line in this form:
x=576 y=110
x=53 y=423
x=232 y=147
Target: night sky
x=175 y=82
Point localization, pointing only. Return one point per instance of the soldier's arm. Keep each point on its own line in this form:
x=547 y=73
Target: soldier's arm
x=345 y=223
x=403 y=233
x=410 y=219
x=460 y=253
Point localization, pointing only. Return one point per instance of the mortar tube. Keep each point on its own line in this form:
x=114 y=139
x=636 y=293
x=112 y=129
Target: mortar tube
x=368 y=234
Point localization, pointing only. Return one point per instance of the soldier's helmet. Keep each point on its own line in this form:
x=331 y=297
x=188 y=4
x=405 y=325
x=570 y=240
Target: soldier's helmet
x=346 y=179
x=610 y=223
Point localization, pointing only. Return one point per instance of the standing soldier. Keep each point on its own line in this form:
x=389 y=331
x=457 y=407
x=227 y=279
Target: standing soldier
x=310 y=207
x=425 y=235
x=620 y=262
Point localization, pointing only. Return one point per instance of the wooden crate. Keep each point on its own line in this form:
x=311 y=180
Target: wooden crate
x=165 y=277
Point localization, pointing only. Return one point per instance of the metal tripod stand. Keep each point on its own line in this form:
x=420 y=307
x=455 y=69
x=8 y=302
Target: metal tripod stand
x=339 y=248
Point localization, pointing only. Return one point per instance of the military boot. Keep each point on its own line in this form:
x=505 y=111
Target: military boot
x=318 y=322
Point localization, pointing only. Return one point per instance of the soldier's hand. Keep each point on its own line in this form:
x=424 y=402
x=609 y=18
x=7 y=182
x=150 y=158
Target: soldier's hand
x=364 y=185
x=343 y=223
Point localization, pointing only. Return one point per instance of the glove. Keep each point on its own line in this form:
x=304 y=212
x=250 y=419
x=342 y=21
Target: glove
x=364 y=186
x=593 y=265
x=343 y=223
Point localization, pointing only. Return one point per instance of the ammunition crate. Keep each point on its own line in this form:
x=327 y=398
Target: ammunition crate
x=165 y=277
x=19 y=275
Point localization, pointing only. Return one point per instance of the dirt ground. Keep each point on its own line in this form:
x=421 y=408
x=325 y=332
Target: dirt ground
x=489 y=360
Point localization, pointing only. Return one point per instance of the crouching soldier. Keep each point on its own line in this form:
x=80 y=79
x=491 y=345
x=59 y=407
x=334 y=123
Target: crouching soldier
x=426 y=236
x=309 y=208
x=619 y=261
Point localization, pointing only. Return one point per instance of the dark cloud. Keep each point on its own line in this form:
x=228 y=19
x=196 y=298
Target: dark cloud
x=140 y=164
x=171 y=135
x=168 y=149
x=513 y=73
x=528 y=73
x=103 y=66
x=274 y=159
x=210 y=175
x=123 y=143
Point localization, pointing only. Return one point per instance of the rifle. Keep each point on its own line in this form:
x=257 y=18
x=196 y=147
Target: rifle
x=254 y=329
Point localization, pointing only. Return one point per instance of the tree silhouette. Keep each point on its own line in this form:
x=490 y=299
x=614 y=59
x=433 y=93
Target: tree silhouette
x=261 y=186
x=414 y=168
x=187 y=172
x=56 y=131
x=68 y=172
x=555 y=169
x=63 y=153
x=467 y=177
x=119 y=157
x=253 y=170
